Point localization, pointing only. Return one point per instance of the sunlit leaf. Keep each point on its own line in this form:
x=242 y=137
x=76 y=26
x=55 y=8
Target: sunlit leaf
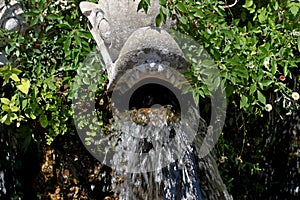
x=248 y=4
x=6 y=108
x=6 y=101
x=14 y=77
x=14 y=108
x=16 y=71
x=24 y=103
x=294 y=10
x=24 y=86
x=3 y=119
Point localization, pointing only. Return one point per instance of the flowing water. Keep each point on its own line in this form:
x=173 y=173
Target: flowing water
x=7 y=162
x=154 y=151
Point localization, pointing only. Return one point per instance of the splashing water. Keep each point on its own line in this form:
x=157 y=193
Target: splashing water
x=155 y=139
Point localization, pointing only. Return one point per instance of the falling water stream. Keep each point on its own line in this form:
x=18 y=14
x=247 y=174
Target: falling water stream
x=7 y=162
x=149 y=133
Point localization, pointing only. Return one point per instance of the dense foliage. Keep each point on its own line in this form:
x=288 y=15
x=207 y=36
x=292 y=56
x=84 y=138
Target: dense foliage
x=43 y=61
x=255 y=45
x=35 y=86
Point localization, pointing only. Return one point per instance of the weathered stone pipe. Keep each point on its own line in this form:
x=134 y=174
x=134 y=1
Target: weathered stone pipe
x=129 y=42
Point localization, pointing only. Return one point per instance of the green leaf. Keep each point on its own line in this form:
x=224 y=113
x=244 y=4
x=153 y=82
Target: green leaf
x=5 y=101
x=34 y=21
x=183 y=20
x=17 y=53
x=6 y=108
x=199 y=14
x=227 y=47
x=24 y=86
x=44 y=121
x=143 y=4
x=248 y=4
x=14 y=77
x=6 y=77
x=262 y=16
x=285 y=70
x=16 y=71
x=180 y=6
x=196 y=97
x=244 y=102
x=253 y=88
x=3 y=119
x=64 y=25
x=32 y=116
x=261 y=97
x=162 y=2
x=229 y=90
x=266 y=82
x=158 y=20
x=14 y=108
x=13 y=99
x=67 y=45
x=276 y=6
x=294 y=10
x=52 y=16
x=24 y=103
x=49 y=83
x=85 y=34
x=253 y=9
x=13 y=116
x=48 y=28
x=4 y=69
x=77 y=39
x=241 y=71
x=274 y=66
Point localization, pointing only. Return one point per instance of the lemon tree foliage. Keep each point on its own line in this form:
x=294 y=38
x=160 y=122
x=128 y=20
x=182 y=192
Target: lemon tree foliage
x=256 y=47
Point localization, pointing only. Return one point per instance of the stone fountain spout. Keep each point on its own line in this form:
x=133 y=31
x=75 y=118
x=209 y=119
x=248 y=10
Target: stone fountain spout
x=120 y=31
x=135 y=51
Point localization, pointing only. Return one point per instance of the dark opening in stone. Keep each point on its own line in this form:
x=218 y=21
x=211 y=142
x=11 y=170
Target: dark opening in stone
x=153 y=96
